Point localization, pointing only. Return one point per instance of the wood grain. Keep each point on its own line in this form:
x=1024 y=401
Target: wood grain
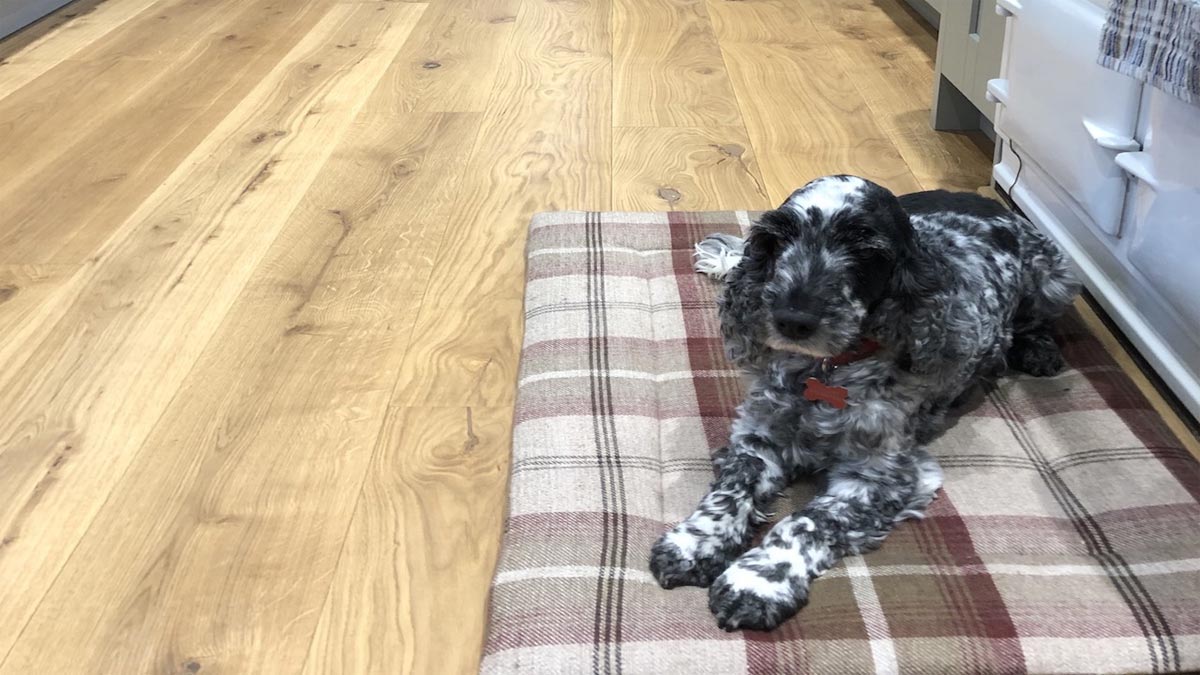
x=895 y=78
x=106 y=171
x=23 y=289
x=685 y=169
x=667 y=67
x=97 y=368
x=44 y=119
x=545 y=144
x=255 y=466
x=432 y=504
x=800 y=104
x=761 y=21
x=864 y=19
x=61 y=36
x=451 y=62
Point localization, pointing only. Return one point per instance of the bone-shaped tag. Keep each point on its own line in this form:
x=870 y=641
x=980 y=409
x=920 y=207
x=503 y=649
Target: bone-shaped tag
x=816 y=390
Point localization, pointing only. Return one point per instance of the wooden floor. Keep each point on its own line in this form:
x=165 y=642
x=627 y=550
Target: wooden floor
x=261 y=279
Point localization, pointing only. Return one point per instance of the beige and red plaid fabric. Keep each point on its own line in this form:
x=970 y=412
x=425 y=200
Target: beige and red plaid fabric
x=1067 y=538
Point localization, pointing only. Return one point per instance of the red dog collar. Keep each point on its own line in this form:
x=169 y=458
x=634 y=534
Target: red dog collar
x=866 y=347
x=815 y=390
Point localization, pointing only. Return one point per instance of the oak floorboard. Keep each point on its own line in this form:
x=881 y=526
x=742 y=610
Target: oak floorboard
x=685 y=169
x=255 y=468
x=23 y=289
x=545 y=144
x=806 y=119
x=864 y=19
x=105 y=171
x=411 y=595
x=667 y=66
x=83 y=382
x=41 y=121
x=761 y=21
x=35 y=49
x=451 y=62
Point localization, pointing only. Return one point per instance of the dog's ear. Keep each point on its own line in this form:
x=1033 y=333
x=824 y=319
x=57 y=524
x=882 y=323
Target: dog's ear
x=919 y=315
x=888 y=263
x=766 y=240
x=913 y=277
x=912 y=280
x=870 y=241
x=741 y=303
x=758 y=256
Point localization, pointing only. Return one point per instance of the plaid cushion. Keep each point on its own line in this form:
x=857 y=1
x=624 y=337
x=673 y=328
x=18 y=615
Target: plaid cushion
x=1067 y=538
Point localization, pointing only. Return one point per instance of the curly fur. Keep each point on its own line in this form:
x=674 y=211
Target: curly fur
x=953 y=286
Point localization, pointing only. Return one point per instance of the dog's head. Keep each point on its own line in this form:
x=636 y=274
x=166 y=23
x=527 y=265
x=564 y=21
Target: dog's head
x=814 y=268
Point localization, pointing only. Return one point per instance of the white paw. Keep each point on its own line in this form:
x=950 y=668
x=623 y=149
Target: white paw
x=759 y=591
x=684 y=558
x=717 y=255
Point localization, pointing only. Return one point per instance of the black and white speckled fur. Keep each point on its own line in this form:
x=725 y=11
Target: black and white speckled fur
x=953 y=286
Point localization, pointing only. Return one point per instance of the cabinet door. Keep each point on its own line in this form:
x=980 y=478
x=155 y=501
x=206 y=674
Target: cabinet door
x=989 y=49
x=970 y=45
x=953 y=42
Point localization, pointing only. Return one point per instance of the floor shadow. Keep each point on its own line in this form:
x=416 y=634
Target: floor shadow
x=904 y=16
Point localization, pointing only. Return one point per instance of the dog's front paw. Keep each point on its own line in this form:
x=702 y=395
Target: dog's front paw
x=757 y=594
x=683 y=558
x=1038 y=356
x=1041 y=364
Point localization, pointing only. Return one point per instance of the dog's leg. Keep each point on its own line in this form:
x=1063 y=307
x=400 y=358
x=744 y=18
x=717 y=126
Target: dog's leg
x=695 y=551
x=1050 y=288
x=1035 y=353
x=718 y=254
x=862 y=503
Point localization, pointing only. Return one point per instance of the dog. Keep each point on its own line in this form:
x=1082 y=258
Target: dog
x=860 y=319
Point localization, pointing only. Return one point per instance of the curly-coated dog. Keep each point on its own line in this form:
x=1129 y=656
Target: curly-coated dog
x=860 y=317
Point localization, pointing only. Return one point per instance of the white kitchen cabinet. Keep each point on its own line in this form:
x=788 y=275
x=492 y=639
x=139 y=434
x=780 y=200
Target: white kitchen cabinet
x=1108 y=167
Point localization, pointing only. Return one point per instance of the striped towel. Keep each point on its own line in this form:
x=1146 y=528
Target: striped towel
x=1157 y=42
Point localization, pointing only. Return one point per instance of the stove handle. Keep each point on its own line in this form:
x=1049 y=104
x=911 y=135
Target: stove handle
x=1008 y=7
x=1140 y=165
x=1110 y=141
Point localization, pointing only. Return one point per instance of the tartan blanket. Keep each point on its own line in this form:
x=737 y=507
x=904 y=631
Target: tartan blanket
x=1157 y=42
x=1067 y=538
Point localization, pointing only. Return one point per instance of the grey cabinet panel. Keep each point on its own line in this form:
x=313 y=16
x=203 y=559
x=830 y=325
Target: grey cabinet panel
x=16 y=14
x=928 y=9
x=970 y=46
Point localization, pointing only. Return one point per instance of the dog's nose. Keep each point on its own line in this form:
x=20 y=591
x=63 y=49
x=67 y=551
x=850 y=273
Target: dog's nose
x=795 y=325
